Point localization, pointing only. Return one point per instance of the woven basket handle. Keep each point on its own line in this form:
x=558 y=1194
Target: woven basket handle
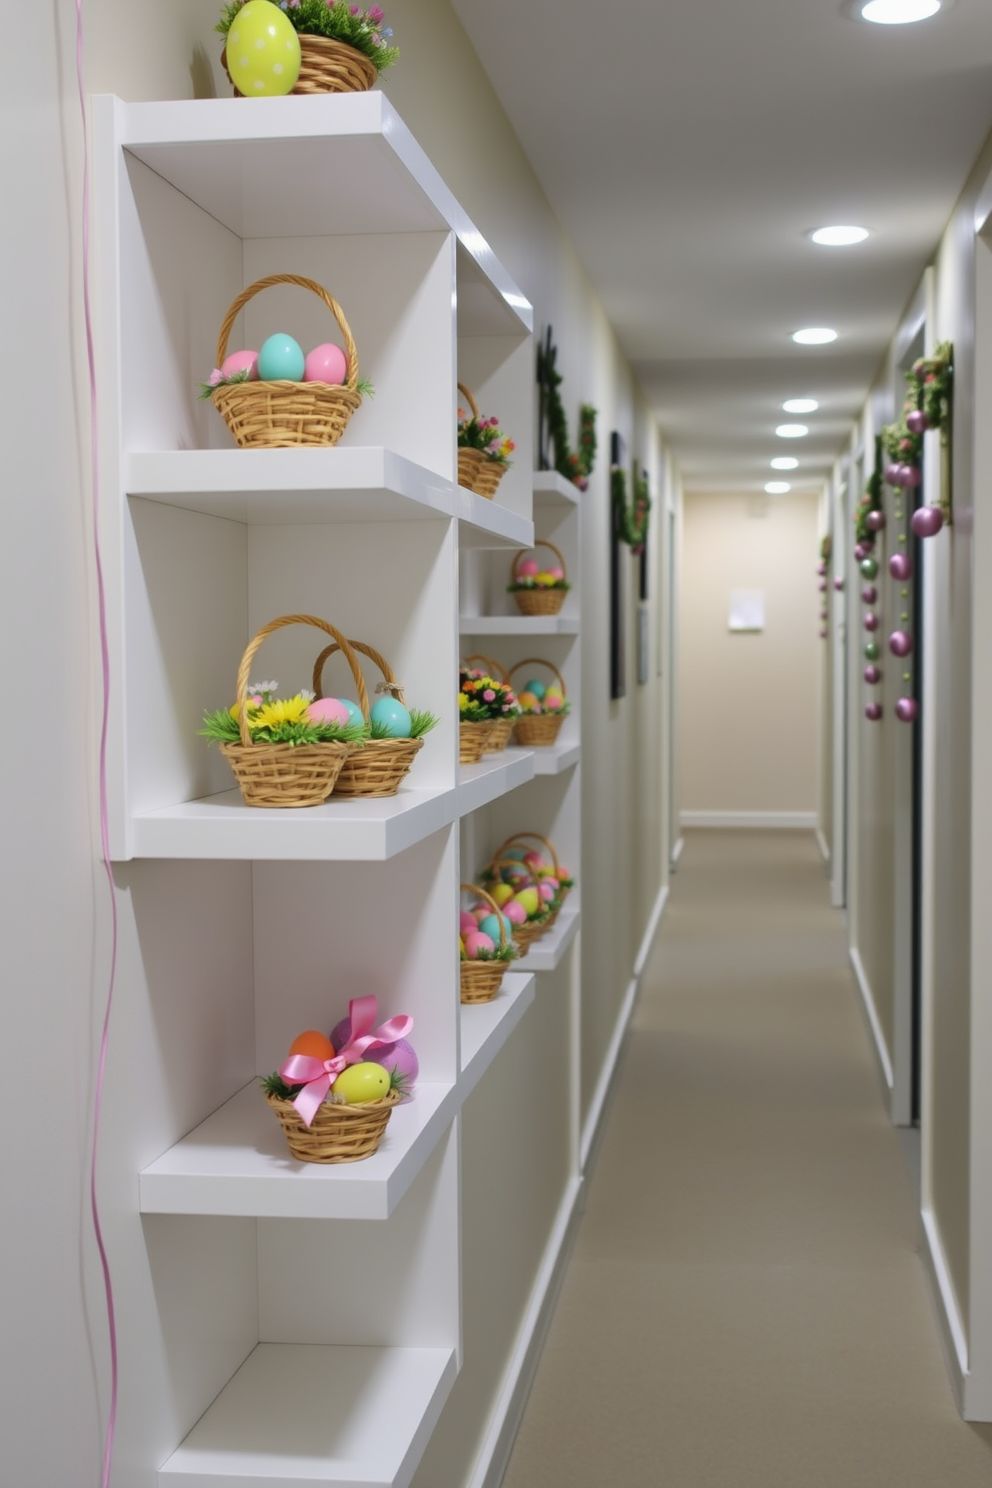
x=244 y=670
x=471 y=401
x=350 y=349
x=387 y=672
x=495 y=668
x=539 y=542
x=539 y=661
x=534 y=837
x=474 y=889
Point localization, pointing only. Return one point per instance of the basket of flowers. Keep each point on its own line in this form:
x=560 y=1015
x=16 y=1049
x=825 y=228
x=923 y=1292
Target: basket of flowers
x=552 y=879
x=485 y=947
x=483 y=449
x=502 y=729
x=395 y=733
x=284 y=751
x=333 y=1096
x=332 y=45
x=483 y=701
x=538 y=591
x=542 y=707
x=279 y=397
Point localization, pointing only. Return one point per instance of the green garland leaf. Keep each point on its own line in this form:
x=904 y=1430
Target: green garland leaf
x=631 y=522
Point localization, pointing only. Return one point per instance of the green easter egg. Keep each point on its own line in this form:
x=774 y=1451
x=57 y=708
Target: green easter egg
x=263 y=52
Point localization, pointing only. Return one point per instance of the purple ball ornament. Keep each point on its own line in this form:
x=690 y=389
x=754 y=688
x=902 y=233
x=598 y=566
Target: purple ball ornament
x=872 y=675
x=912 y=475
x=893 y=474
x=875 y=520
x=927 y=521
x=869 y=569
x=873 y=712
x=821 y=569
x=869 y=594
x=822 y=586
x=870 y=621
x=839 y=585
x=907 y=710
x=901 y=567
x=900 y=643
x=823 y=634
x=917 y=421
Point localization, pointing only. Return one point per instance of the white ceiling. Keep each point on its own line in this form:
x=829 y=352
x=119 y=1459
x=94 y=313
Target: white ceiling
x=689 y=146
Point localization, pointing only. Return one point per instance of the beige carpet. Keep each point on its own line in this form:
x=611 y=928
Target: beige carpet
x=745 y=1306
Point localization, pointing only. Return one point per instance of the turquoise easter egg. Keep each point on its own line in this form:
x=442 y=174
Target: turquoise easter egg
x=281 y=358
x=534 y=685
x=490 y=926
x=392 y=716
x=262 y=51
x=355 y=714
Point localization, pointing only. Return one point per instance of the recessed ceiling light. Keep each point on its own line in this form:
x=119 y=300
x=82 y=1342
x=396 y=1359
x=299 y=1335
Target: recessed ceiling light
x=777 y=488
x=898 y=12
x=792 y=431
x=800 y=405
x=839 y=237
x=814 y=336
x=784 y=462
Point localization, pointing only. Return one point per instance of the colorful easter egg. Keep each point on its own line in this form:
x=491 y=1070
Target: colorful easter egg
x=467 y=921
x=355 y=714
x=399 y=1056
x=515 y=912
x=390 y=714
x=241 y=361
x=361 y=1082
x=553 y=700
x=281 y=358
x=530 y=899
x=502 y=892
x=326 y=363
x=313 y=1043
x=536 y=686
x=528 y=569
x=262 y=51
x=490 y=926
x=328 y=710
x=475 y=942
x=528 y=700
x=546 y=892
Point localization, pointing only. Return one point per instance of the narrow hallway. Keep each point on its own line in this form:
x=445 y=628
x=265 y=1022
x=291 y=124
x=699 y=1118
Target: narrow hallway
x=745 y=1306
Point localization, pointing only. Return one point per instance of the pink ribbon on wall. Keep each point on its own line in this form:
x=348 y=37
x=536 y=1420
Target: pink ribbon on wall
x=318 y=1075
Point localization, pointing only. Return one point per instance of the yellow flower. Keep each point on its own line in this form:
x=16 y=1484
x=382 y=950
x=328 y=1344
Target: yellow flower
x=285 y=710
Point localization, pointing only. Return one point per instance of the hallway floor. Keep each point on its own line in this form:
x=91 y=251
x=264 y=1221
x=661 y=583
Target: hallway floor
x=745 y=1306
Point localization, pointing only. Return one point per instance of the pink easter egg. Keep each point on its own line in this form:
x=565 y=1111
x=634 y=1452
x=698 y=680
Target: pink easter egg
x=556 y=573
x=476 y=941
x=534 y=860
x=515 y=912
x=238 y=361
x=479 y=912
x=326 y=363
x=328 y=710
x=528 y=569
x=552 y=882
x=467 y=921
x=553 y=701
x=546 y=892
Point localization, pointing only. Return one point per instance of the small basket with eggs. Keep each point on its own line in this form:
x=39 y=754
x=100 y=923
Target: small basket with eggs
x=553 y=880
x=538 y=591
x=395 y=733
x=333 y=1095
x=543 y=706
x=485 y=947
x=303 y=46
x=483 y=449
x=483 y=702
x=279 y=397
x=513 y=887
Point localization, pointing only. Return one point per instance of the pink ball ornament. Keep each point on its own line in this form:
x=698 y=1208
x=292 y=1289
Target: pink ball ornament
x=240 y=361
x=907 y=710
x=869 y=594
x=326 y=363
x=927 y=521
x=917 y=421
x=875 y=520
x=900 y=643
x=873 y=712
x=528 y=569
x=901 y=567
x=870 y=621
x=822 y=586
x=839 y=585
x=893 y=475
x=821 y=569
x=912 y=475
x=872 y=675
x=328 y=710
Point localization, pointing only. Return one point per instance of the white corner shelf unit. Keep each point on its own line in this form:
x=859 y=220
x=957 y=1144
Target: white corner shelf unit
x=297 y=1324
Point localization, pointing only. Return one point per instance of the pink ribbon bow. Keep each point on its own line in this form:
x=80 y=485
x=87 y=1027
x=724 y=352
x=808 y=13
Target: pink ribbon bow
x=318 y=1075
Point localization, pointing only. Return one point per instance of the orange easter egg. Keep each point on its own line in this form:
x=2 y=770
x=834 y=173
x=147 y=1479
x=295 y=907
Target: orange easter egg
x=314 y=1043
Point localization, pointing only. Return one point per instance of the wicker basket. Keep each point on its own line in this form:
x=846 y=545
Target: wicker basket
x=282 y=415
x=537 y=730
x=281 y=774
x=538 y=601
x=522 y=837
x=524 y=935
x=502 y=728
x=326 y=66
x=481 y=980
x=337 y=1134
x=475 y=470
x=379 y=767
x=473 y=739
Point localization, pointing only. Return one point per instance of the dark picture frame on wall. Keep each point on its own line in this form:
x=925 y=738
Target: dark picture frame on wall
x=618 y=660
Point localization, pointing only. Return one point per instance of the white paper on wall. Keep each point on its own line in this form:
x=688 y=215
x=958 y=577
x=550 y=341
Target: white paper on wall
x=746 y=610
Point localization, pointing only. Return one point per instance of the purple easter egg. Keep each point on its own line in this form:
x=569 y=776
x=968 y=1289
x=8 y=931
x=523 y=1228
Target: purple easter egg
x=907 y=709
x=822 y=586
x=838 y=585
x=872 y=675
x=912 y=475
x=917 y=421
x=873 y=712
x=400 y=1056
x=869 y=594
x=901 y=567
x=927 y=521
x=870 y=621
x=900 y=644
x=875 y=520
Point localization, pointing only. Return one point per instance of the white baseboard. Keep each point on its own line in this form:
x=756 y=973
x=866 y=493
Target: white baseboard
x=677 y=851
x=497 y=1444
x=647 y=940
x=821 y=843
x=868 y=1003
x=785 y=819
x=946 y=1307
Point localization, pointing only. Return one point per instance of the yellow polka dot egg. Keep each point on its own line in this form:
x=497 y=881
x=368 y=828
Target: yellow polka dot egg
x=263 y=51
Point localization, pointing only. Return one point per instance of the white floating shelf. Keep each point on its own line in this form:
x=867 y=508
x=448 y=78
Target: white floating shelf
x=492 y=777
x=222 y=826
x=354 y=1417
x=486 y=1026
x=243 y=163
x=518 y=625
x=555 y=758
x=552 y=489
x=546 y=953
x=237 y=1162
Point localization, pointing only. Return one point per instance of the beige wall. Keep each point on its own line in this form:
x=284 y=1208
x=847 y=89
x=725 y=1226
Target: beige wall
x=748 y=703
